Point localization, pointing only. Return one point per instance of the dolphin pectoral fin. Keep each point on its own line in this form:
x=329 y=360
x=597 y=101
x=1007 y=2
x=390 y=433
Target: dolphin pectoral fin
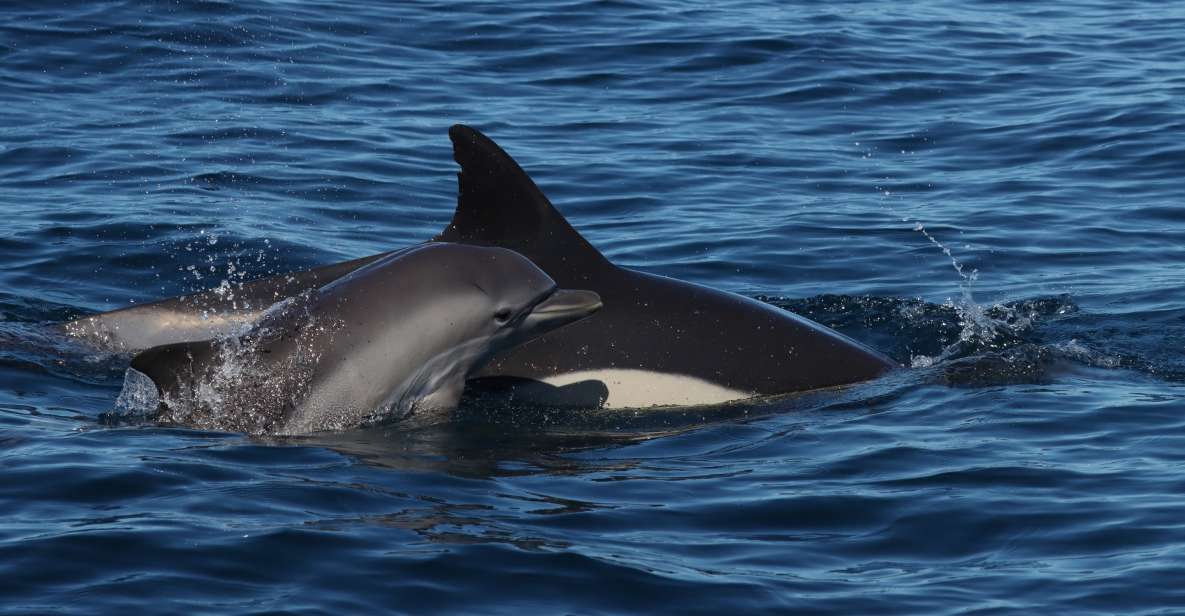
x=506 y=390
x=436 y=407
x=443 y=399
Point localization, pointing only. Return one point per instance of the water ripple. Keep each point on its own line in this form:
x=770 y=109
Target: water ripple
x=989 y=192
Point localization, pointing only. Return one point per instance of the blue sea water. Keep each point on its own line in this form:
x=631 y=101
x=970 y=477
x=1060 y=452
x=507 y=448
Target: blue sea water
x=991 y=192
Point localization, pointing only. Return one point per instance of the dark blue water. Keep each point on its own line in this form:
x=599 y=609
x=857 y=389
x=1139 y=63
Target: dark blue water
x=991 y=192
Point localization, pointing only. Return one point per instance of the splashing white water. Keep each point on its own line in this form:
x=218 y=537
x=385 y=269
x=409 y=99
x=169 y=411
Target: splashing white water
x=139 y=397
x=978 y=327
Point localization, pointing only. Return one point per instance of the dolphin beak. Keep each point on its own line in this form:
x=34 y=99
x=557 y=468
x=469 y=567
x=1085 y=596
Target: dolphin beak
x=562 y=307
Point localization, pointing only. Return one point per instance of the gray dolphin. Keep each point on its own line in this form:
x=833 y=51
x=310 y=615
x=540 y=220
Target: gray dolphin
x=659 y=341
x=396 y=337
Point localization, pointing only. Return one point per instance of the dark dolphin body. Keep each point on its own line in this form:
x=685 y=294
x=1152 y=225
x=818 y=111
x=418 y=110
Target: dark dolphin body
x=658 y=341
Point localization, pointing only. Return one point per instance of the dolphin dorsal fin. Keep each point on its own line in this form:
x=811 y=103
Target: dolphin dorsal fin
x=499 y=205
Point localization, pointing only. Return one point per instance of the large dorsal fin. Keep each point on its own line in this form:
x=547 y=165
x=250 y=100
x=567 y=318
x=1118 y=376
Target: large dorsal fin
x=499 y=205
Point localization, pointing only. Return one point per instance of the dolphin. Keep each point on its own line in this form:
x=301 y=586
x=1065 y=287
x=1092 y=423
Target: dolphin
x=395 y=338
x=658 y=341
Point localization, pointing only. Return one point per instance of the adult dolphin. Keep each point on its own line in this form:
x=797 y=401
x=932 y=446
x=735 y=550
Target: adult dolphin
x=396 y=337
x=658 y=341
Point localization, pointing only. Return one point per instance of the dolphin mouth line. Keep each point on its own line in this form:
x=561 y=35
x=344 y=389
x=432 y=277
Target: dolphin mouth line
x=565 y=305
x=557 y=308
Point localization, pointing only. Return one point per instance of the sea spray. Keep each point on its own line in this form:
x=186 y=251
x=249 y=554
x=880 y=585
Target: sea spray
x=139 y=398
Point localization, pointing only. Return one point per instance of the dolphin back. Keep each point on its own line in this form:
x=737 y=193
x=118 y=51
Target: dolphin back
x=204 y=315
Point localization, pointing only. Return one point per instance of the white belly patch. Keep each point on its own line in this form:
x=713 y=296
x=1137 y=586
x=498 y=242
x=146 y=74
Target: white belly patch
x=642 y=388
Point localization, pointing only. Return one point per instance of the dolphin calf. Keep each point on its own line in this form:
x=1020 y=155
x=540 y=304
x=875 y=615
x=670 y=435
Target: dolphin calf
x=658 y=341
x=396 y=337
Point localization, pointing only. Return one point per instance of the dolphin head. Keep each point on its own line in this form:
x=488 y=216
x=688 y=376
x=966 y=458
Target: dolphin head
x=520 y=301
x=475 y=302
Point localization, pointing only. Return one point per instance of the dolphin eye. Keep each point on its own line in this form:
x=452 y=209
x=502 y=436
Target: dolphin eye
x=502 y=316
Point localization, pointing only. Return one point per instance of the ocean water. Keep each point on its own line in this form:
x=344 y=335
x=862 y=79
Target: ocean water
x=993 y=193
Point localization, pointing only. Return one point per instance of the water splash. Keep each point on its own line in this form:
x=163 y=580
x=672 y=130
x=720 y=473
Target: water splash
x=982 y=328
x=977 y=327
x=259 y=380
x=239 y=386
x=139 y=398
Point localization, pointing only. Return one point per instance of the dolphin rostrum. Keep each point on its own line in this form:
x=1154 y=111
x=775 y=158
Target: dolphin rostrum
x=659 y=341
x=395 y=338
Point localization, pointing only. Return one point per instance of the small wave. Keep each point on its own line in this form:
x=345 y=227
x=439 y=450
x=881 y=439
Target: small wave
x=969 y=344
x=218 y=180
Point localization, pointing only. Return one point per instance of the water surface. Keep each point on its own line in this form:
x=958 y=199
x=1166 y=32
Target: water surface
x=990 y=191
